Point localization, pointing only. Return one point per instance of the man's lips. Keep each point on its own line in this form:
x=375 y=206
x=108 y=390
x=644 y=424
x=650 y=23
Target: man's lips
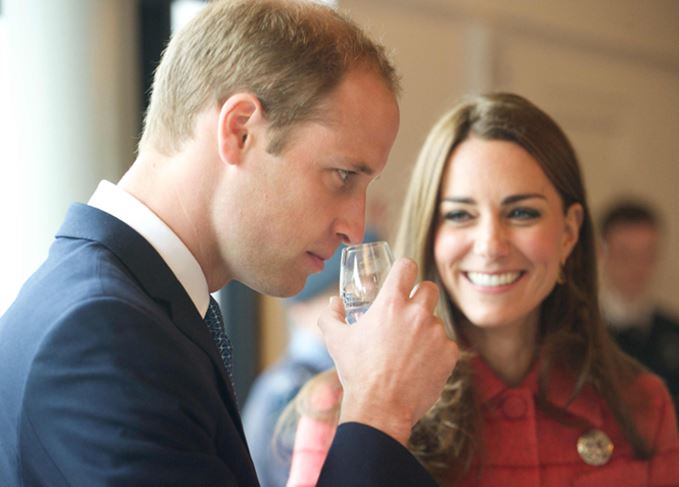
x=322 y=255
x=318 y=260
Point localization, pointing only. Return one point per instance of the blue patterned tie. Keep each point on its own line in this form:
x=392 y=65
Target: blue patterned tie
x=215 y=323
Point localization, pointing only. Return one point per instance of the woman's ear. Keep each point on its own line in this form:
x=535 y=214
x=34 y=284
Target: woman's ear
x=237 y=117
x=573 y=222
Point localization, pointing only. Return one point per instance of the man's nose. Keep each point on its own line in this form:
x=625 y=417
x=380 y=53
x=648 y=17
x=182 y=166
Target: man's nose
x=350 y=223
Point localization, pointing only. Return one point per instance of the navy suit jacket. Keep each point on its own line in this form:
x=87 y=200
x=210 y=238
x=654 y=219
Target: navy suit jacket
x=657 y=347
x=108 y=376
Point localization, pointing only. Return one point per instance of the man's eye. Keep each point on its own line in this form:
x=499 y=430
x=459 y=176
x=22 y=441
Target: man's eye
x=524 y=214
x=457 y=216
x=343 y=175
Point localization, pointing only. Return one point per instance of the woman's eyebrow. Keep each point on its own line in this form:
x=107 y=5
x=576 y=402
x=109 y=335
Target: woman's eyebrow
x=506 y=201
x=520 y=197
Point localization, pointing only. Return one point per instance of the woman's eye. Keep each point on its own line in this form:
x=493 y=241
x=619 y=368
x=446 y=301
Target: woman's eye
x=524 y=214
x=457 y=216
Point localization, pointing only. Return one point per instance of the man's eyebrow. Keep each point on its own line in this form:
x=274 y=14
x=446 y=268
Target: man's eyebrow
x=362 y=168
x=354 y=165
x=515 y=198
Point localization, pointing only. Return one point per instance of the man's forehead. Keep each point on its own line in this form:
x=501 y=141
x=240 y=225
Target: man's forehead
x=623 y=229
x=637 y=236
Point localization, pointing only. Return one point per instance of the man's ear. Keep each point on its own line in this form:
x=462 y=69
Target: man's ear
x=237 y=116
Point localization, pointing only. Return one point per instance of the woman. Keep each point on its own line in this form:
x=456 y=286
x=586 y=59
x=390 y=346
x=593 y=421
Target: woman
x=496 y=216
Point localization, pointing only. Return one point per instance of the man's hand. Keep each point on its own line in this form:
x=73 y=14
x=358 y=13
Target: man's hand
x=394 y=361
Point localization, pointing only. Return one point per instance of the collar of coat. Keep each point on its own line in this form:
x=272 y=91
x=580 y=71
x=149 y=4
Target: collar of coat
x=585 y=407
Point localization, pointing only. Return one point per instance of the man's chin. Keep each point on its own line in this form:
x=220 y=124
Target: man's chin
x=283 y=289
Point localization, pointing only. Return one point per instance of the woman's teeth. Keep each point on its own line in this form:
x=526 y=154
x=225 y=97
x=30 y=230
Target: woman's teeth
x=493 y=280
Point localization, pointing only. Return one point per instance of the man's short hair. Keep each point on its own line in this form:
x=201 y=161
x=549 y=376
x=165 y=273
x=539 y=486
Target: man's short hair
x=290 y=54
x=628 y=212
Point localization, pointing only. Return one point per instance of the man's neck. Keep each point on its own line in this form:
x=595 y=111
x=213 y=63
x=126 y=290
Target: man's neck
x=179 y=197
x=623 y=312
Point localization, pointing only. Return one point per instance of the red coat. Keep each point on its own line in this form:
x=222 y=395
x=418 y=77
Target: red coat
x=525 y=447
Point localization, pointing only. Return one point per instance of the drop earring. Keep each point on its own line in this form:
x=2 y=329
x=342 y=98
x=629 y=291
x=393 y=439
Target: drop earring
x=561 y=279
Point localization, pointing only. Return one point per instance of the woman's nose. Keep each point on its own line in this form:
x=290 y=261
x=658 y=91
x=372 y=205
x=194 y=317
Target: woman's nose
x=492 y=239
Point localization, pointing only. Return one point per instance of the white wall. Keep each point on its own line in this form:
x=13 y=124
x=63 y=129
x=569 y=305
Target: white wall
x=72 y=104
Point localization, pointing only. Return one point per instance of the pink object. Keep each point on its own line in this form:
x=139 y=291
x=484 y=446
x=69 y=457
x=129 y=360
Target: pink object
x=312 y=442
x=314 y=437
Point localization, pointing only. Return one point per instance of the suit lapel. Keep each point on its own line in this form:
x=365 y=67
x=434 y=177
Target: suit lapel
x=157 y=280
x=189 y=316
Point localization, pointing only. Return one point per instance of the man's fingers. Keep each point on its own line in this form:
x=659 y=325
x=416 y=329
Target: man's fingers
x=427 y=294
x=336 y=306
x=333 y=313
x=402 y=276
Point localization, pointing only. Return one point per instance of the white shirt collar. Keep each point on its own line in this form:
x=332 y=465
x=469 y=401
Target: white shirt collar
x=117 y=202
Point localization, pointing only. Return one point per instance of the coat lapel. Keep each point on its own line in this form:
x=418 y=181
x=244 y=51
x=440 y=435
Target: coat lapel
x=157 y=280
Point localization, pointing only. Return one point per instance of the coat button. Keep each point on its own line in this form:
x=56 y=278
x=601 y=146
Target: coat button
x=595 y=448
x=514 y=407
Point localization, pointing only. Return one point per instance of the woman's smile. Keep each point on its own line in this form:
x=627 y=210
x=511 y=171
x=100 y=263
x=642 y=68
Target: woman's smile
x=495 y=281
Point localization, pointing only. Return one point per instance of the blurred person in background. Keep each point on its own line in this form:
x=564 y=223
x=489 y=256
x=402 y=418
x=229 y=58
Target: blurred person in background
x=305 y=357
x=631 y=242
x=497 y=216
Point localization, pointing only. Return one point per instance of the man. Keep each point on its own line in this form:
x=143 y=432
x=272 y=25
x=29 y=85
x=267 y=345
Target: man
x=631 y=235
x=267 y=122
